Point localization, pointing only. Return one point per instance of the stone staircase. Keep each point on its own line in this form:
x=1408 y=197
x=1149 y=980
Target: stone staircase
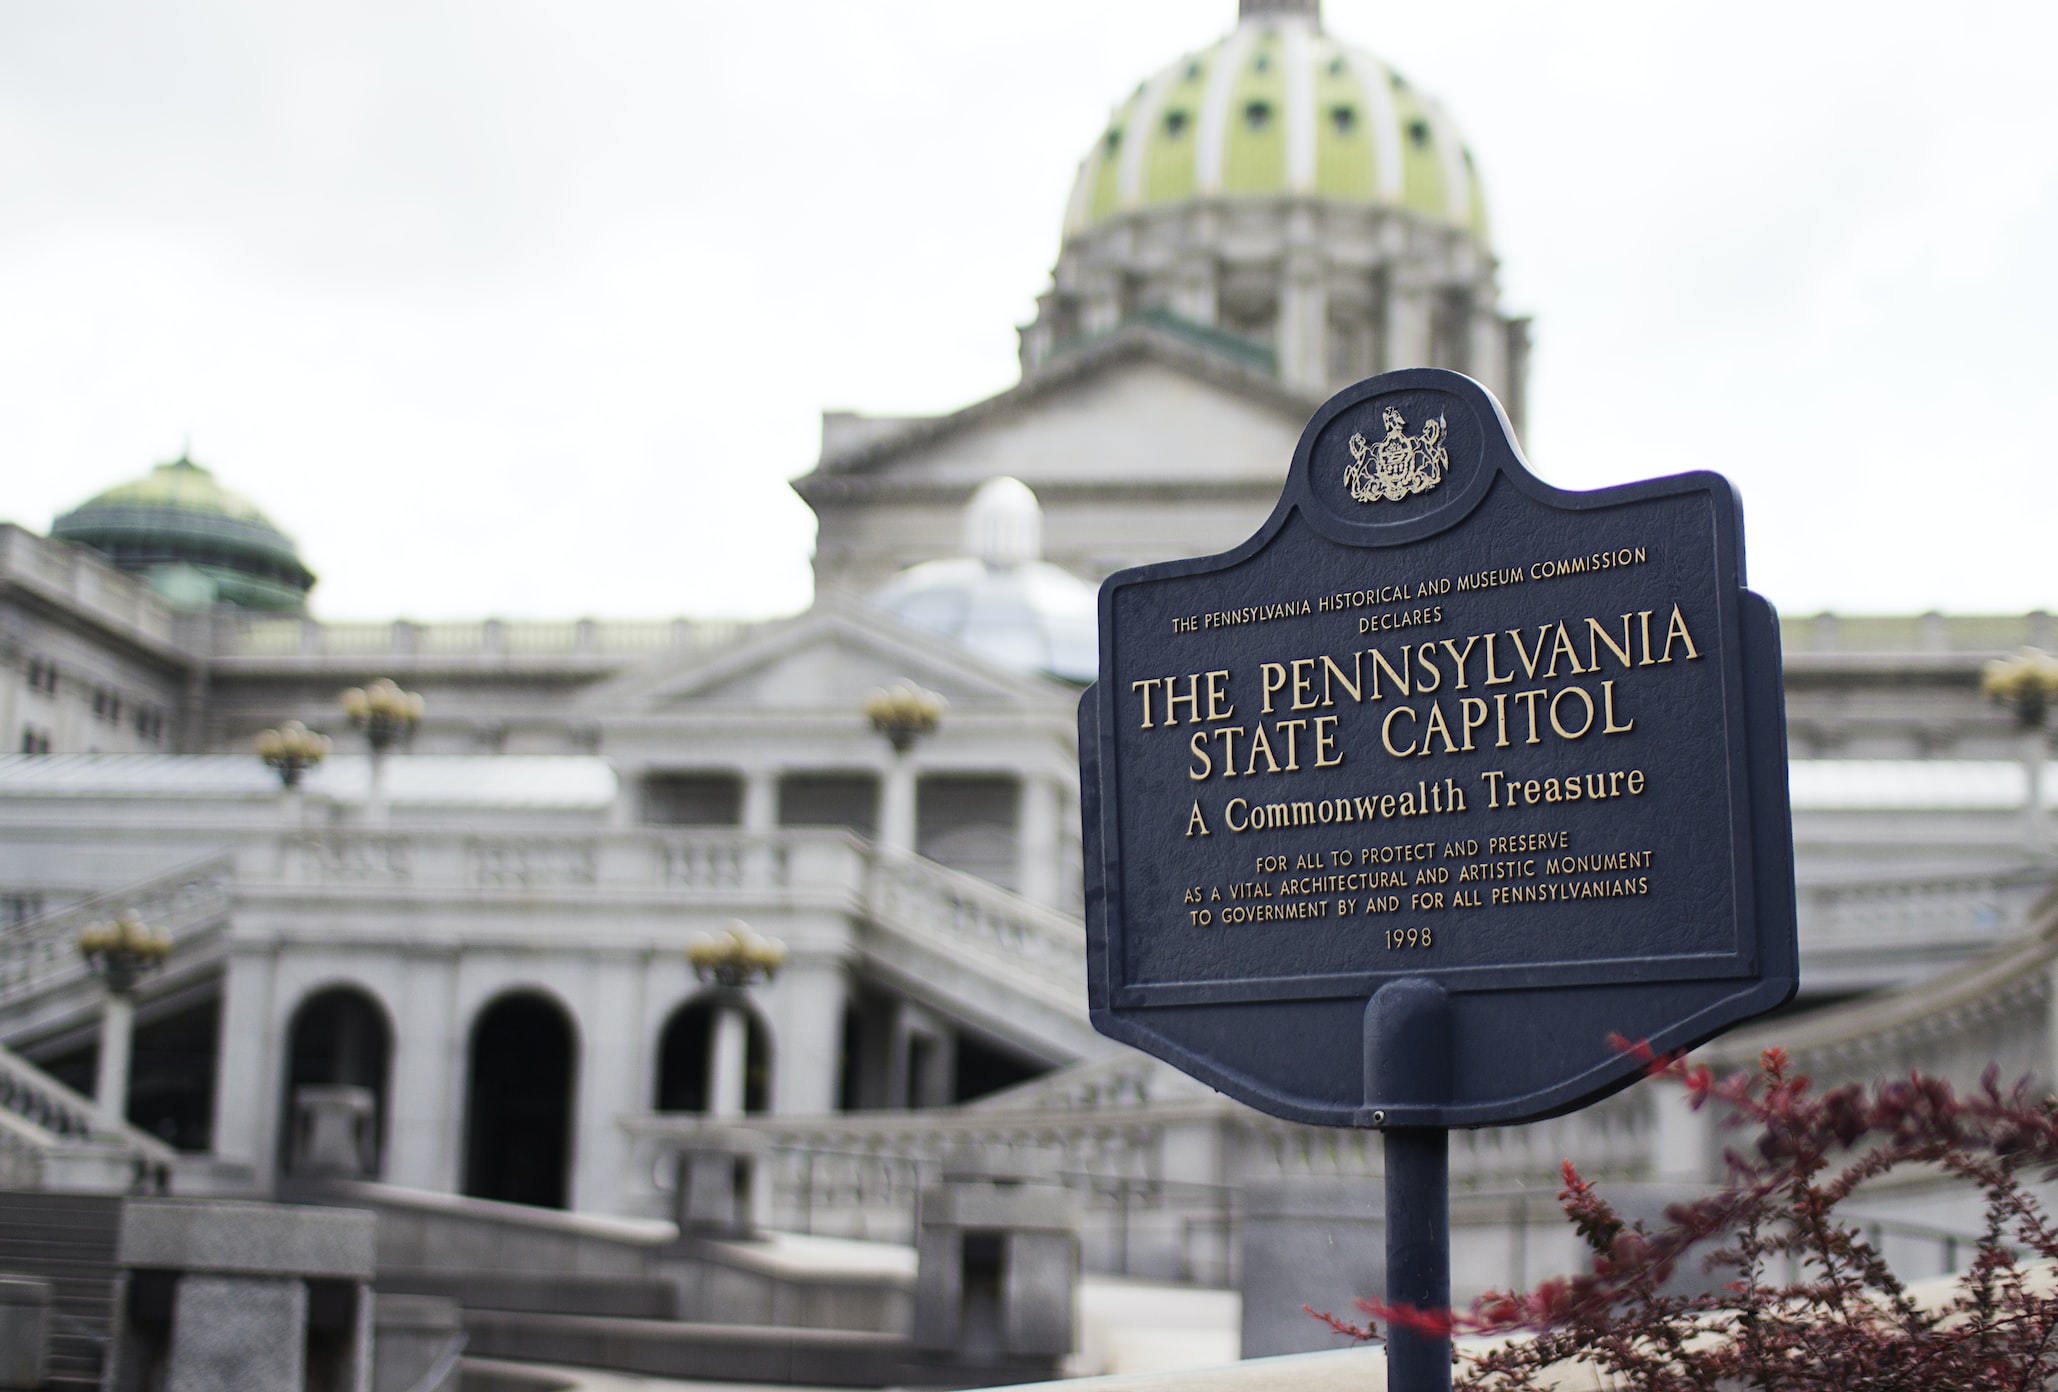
x=68 y=1240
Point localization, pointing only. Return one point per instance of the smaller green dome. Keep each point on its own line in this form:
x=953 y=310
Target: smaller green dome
x=196 y=542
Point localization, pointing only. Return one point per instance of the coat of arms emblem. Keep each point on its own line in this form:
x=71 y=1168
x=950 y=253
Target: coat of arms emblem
x=1400 y=464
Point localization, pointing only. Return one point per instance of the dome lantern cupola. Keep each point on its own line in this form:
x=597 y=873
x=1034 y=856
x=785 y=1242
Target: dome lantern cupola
x=1003 y=600
x=195 y=542
x=1292 y=201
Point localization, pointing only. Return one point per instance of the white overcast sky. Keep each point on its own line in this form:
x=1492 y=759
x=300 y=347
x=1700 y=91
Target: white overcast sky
x=530 y=310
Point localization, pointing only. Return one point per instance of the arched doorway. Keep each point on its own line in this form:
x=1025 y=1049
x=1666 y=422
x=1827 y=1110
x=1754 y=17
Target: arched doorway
x=686 y=1049
x=518 y=1102
x=338 y=1038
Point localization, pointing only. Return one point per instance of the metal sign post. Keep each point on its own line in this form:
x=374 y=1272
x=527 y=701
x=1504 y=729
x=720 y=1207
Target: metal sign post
x=1395 y=813
x=1410 y=1020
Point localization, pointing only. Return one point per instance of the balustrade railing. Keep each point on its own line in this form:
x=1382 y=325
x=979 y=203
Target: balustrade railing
x=42 y=1120
x=1864 y=928
x=1130 y=1169
x=43 y=951
x=924 y=898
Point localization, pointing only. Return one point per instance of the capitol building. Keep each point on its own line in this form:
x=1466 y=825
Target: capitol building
x=459 y=968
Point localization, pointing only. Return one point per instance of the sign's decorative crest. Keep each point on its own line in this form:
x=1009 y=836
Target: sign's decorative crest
x=1400 y=464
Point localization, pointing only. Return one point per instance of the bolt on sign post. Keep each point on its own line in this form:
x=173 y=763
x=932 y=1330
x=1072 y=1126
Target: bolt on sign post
x=1395 y=814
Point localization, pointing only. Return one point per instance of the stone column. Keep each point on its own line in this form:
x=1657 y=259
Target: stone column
x=2035 y=843
x=1037 y=871
x=247 y=1077
x=1194 y=294
x=111 y=1084
x=425 y=1101
x=1405 y=336
x=897 y=807
x=1683 y=1143
x=760 y=821
x=609 y=1081
x=728 y=1059
x=761 y=800
x=808 y=1000
x=1302 y=336
x=1103 y=305
x=375 y=801
x=1488 y=354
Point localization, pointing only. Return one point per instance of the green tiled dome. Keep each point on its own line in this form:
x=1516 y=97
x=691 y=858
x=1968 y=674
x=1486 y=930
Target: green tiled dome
x=1279 y=109
x=197 y=542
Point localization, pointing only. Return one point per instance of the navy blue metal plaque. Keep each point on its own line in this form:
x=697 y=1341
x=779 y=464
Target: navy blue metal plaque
x=1401 y=811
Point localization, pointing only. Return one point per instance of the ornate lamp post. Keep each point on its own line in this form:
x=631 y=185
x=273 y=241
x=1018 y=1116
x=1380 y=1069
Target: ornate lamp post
x=291 y=750
x=732 y=961
x=903 y=713
x=2027 y=684
x=387 y=715
x=121 y=954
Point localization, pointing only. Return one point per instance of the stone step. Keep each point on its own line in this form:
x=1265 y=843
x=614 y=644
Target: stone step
x=733 y=1353
x=630 y=1297
x=69 y=1240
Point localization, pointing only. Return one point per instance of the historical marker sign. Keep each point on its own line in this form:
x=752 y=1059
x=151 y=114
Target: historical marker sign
x=1439 y=727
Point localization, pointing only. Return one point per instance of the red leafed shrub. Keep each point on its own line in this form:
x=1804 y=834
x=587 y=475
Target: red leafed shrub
x=1799 y=1298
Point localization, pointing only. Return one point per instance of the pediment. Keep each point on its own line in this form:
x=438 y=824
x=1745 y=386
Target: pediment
x=1140 y=412
x=829 y=659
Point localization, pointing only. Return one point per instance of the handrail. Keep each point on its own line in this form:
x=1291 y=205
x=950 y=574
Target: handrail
x=40 y=1114
x=44 y=950
x=912 y=894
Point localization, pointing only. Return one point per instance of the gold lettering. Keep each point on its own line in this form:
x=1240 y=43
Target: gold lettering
x=1528 y=661
x=1458 y=656
x=1291 y=729
x=1491 y=679
x=1274 y=677
x=1145 y=687
x=1304 y=682
x=1259 y=742
x=1597 y=636
x=1608 y=725
x=1677 y=629
x=1532 y=697
x=1386 y=730
x=1325 y=742
x=1354 y=684
x=1203 y=765
x=1563 y=647
x=1400 y=678
x=1437 y=725
x=1558 y=725
x=1425 y=658
x=1197 y=820
x=1216 y=710
x=1191 y=698
x=1466 y=706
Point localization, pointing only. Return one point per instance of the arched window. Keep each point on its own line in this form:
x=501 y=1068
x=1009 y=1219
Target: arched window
x=518 y=1102
x=338 y=1038
x=685 y=1054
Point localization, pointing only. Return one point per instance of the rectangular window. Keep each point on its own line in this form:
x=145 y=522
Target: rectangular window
x=849 y=800
x=693 y=799
x=35 y=740
x=969 y=823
